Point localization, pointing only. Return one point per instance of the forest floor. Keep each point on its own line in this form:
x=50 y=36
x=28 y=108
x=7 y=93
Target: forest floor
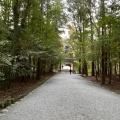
x=114 y=86
x=19 y=90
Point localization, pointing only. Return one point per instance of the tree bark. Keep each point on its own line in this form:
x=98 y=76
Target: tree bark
x=15 y=42
x=38 y=69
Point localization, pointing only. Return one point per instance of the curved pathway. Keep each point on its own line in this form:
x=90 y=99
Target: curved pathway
x=66 y=97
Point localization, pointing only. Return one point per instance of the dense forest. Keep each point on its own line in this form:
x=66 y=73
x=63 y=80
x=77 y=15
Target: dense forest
x=30 y=43
x=95 y=37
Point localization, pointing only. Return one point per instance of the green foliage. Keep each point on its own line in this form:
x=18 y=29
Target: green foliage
x=95 y=33
x=29 y=30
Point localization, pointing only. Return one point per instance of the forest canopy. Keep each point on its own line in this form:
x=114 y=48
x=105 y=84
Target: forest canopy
x=95 y=36
x=30 y=43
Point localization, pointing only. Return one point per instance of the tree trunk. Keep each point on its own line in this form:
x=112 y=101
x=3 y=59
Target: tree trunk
x=110 y=73
x=115 y=69
x=38 y=69
x=80 y=71
x=15 y=42
x=93 y=69
x=103 y=66
x=119 y=70
x=92 y=47
x=34 y=64
x=119 y=67
x=85 y=68
x=103 y=43
x=106 y=64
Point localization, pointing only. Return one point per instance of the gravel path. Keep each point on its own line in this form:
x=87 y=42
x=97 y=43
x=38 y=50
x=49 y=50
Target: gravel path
x=66 y=97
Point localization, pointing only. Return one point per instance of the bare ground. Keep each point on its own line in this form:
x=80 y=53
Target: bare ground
x=114 y=86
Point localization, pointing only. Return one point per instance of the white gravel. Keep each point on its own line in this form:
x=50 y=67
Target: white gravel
x=66 y=97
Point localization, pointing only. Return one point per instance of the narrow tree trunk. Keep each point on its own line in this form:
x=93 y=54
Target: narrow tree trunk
x=30 y=63
x=110 y=73
x=85 y=68
x=80 y=71
x=106 y=64
x=51 y=68
x=119 y=71
x=33 y=75
x=115 y=69
x=15 y=42
x=119 y=66
x=92 y=47
x=38 y=69
x=98 y=67
x=103 y=43
x=103 y=66
x=93 y=69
